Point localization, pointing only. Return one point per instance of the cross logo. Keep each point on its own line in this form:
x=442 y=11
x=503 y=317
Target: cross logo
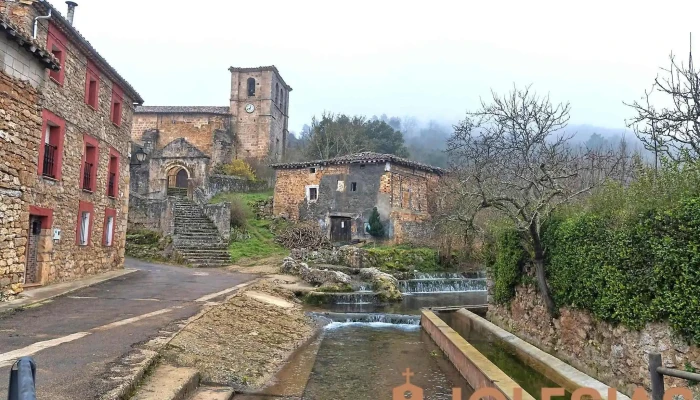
x=407 y=390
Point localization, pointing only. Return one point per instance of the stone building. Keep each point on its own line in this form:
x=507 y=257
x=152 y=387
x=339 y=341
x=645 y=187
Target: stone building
x=64 y=150
x=340 y=194
x=184 y=144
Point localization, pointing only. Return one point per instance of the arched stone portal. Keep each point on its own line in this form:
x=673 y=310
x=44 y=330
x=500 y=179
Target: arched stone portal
x=178 y=177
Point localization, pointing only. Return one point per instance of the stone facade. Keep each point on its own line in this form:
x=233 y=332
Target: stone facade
x=615 y=355
x=351 y=187
x=60 y=135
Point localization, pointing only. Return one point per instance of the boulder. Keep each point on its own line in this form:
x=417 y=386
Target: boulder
x=314 y=276
x=384 y=284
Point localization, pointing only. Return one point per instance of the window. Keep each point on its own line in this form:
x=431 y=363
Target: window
x=251 y=87
x=277 y=93
x=117 y=100
x=51 y=152
x=89 y=167
x=312 y=193
x=110 y=217
x=84 y=229
x=92 y=85
x=353 y=187
x=282 y=100
x=56 y=43
x=312 y=170
x=113 y=173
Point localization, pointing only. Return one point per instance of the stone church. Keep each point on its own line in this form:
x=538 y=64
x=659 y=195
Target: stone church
x=178 y=147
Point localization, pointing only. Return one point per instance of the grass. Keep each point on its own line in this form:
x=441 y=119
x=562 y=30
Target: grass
x=260 y=241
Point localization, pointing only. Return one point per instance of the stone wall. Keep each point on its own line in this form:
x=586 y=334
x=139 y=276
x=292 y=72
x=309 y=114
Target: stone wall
x=205 y=131
x=615 y=355
x=219 y=214
x=147 y=213
x=20 y=132
x=18 y=63
x=232 y=184
x=59 y=199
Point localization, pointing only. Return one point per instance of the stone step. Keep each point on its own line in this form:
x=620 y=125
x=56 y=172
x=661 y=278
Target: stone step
x=212 y=393
x=168 y=383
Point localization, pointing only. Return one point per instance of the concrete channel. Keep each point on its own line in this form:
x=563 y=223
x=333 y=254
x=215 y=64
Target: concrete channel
x=479 y=372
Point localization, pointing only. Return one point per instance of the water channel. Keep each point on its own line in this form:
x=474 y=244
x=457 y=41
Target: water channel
x=364 y=349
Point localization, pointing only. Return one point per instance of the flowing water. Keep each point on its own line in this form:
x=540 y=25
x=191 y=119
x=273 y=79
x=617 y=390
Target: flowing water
x=443 y=282
x=530 y=380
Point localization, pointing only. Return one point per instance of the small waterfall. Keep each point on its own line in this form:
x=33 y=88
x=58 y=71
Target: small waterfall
x=353 y=298
x=444 y=282
x=370 y=318
x=362 y=287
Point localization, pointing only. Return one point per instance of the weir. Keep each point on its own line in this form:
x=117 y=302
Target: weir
x=443 y=282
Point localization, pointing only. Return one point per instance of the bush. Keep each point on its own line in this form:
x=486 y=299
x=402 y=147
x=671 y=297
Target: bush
x=505 y=261
x=376 y=228
x=237 y=168
x=239 y=213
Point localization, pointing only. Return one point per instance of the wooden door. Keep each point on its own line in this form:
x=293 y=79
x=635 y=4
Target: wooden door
x=340 y=229
x=181 y=179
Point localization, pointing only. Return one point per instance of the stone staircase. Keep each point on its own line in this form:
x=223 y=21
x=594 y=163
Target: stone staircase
x=196 y=238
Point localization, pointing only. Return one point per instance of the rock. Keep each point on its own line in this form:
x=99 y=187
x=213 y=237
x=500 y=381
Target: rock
x=312 y=275
x=382 y=283
x=617 y=351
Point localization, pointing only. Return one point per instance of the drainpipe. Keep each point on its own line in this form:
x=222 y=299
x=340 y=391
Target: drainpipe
x=36 y=23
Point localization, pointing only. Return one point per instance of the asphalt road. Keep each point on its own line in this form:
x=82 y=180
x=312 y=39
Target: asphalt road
x=80 y=339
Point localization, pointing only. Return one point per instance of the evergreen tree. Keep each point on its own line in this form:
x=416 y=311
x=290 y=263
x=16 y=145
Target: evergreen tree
x=376 y=228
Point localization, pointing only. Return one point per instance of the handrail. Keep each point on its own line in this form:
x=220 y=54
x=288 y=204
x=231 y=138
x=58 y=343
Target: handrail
x=23 y=380
x=657 y=371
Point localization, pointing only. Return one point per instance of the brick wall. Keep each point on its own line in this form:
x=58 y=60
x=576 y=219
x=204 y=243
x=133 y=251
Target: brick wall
x=19 y=63
x=20 y=127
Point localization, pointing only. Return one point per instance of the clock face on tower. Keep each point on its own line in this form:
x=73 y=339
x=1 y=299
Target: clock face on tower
x=249 y=108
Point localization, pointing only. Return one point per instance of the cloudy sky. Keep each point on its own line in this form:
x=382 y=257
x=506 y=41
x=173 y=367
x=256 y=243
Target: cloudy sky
x=428 y=59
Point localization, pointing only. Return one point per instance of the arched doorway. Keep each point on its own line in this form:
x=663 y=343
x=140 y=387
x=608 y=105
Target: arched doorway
x=178 y=180
x=181 y=178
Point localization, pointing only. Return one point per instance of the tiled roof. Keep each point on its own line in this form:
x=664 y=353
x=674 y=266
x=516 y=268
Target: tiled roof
x=182 y=110
x=260 y=69
x=362 y=158
x=33 y=46
x=87 y=48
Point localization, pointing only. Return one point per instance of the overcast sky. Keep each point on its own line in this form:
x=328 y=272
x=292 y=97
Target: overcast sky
x=428 y=59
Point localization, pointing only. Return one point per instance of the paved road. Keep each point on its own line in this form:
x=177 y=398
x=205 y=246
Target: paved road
x=80 y=339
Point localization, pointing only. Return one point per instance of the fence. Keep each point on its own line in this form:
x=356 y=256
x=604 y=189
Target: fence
x=22 y=380
x=657 y=371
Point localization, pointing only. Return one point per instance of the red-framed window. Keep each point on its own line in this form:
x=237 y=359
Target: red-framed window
x=109 y=224
x=57 y=43
x=45 y=213
x=51 y=148
x=113 y=173
x=92 y=85
x=83 y=229
x=117 y=105
x=88 y=169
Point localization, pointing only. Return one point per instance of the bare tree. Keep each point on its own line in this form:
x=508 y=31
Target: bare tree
x=673 y=130
x=510 y=157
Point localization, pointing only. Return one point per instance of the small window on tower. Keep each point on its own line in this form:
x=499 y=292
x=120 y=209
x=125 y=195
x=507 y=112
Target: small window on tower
x=277 y=93
x=312 y=170
x=251 y=87
x=353 y=187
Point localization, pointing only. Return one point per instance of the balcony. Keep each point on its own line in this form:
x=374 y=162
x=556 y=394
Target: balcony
x=111 y=185
x=50 y=154
x=87 y=177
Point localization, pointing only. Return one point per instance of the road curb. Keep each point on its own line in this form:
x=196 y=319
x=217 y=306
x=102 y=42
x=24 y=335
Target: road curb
x=126 y=390
x=55 y=290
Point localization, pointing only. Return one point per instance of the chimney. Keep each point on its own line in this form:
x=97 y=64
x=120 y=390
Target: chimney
x=71 y=11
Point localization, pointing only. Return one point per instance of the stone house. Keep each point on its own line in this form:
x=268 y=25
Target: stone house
x=64 y=150
x=340 y=193
x=183 y=144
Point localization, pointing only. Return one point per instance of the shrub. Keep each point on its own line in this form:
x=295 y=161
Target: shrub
x=505 y=261
x=237 y=168
x=239 y=213
x=631 y=258
x=376 y=228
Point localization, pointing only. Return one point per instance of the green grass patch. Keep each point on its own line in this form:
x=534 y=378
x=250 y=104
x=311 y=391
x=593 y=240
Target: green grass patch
x=255 y=240
x=404 y=258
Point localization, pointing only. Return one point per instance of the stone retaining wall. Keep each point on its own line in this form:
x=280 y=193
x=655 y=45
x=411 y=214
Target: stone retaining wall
x=614 y=355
